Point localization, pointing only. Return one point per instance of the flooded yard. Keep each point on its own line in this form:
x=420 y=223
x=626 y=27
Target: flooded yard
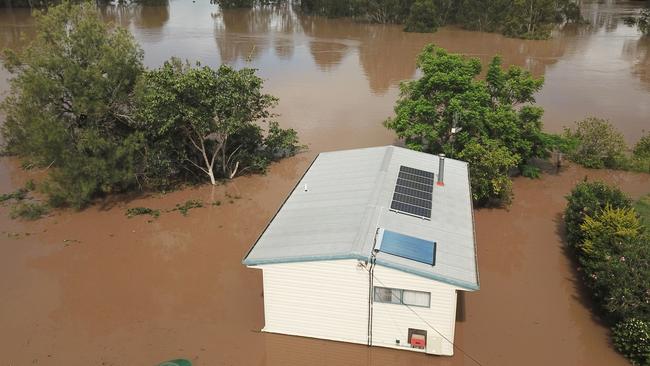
x=97 y=288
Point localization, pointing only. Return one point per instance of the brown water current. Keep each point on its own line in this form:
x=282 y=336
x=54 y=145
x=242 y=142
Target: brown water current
x=97 y=288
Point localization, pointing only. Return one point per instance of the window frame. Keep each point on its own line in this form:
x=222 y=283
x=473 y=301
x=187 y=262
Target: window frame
x=377 y=299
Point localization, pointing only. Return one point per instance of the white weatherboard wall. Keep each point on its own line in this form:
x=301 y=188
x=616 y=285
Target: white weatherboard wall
x=320 y=299
x=391 y=321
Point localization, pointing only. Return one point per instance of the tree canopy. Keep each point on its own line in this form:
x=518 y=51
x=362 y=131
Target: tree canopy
x=82 y=104
x=208 y=119
x=492 y=123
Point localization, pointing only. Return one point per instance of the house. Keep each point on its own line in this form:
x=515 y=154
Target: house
x=371 y=247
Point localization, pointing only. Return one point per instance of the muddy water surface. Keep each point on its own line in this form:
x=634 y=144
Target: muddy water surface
x=97 y=288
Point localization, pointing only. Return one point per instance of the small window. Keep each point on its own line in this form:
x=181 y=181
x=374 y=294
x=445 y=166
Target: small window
x=416 y=298
x=399 y=296
x=389 y=295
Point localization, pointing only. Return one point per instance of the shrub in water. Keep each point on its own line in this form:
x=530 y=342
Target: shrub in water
x=586 y=199
x=29 y=210
x=600 y=145
x=137 y=211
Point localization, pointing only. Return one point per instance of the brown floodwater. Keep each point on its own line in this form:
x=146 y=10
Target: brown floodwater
x=97 y=288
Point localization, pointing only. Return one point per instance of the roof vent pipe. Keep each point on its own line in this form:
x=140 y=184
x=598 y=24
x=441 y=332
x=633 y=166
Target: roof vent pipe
x=441 y=170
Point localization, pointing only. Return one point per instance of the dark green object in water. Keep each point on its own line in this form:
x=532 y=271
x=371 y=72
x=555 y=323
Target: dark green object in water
x=179 y=362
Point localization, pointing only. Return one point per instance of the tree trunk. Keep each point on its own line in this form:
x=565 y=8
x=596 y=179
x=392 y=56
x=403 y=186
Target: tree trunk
x=211 y=175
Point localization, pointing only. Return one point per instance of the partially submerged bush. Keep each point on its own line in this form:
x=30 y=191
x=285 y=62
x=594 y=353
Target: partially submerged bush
x=29 y=210
x=587 y=199
x=187 y=206
x=599 y=144
x=613 y=249
x=18 y=195
x=138 y=211
x=632 y=338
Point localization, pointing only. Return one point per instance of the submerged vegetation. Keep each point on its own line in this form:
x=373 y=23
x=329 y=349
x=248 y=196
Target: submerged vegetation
x=612 y=245
x=642 y=21
x=139 y=211
x=595 y=143
x=516 y=18
x=493 y=123
x=105 y=124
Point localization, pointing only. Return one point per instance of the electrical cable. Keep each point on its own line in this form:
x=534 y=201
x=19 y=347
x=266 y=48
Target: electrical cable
x=434 y=329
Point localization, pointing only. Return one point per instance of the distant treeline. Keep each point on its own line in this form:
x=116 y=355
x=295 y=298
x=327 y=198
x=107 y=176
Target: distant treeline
x=48 y=3
x=516 y=18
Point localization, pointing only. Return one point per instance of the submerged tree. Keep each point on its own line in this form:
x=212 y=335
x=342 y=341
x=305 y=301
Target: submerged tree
x=210 y=118
x=450 y=110
x=82 y=105
x=69 y=103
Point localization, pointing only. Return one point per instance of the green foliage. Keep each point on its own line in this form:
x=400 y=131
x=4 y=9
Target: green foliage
x=642 y=148
x=82 y=104
x=632 y=338
x=28 y=210
x=560 y=142
x=30 y=185
x=138 y=211
x=516 y=18
x=642 y=207
x=422 y=17
x=207 y=120
x=531 y=171
x=497 y=111
x=587 y=199
x=600 y=145
x=489 y=165
x=609 y=225
x=78 y=75
x=18 y=195
x=187 y=206
x=613 y=249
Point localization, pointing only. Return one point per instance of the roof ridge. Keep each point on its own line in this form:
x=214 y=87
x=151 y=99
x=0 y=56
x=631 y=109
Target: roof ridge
x=370 y=220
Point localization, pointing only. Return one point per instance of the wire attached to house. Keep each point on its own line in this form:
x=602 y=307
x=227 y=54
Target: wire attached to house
x=434 y=329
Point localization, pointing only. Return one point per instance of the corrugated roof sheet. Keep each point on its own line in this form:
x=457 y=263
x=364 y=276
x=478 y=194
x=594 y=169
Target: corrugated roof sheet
x=348 y=199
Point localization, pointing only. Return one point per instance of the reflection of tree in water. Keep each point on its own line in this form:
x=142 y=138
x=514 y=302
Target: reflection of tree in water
x=638 y=53
x=386 y=53
x=329 y=39
x=141 y=16
x=16 y=27
x=243 y=34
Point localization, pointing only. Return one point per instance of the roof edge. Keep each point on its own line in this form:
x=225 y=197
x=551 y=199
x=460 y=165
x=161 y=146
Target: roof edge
x=432 y=276
x=314 y=258
x=279 y=208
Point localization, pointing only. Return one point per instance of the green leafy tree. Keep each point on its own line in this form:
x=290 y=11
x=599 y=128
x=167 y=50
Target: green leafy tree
x=208 y=119
x=600 y=145
x=489 y=163
x=423 y=17
x=69 y=104
x=449 y=107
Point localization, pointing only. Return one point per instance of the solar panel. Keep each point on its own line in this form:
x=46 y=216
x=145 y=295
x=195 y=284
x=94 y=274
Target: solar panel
x=408 y=247
x=413 y=192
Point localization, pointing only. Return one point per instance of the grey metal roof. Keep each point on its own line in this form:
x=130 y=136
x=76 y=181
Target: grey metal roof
x=343 y=199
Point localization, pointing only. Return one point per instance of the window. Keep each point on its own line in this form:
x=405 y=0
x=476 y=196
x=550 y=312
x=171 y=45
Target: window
x=405 y=297
x=389 y=295
x=416 y=298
